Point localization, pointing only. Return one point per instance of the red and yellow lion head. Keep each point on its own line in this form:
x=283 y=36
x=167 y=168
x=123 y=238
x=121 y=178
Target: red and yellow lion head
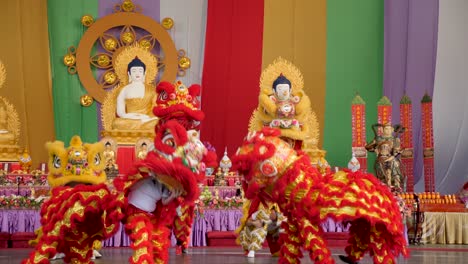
x=176 y=160
x=262 y=159
x=79 y=163
x=176 y=101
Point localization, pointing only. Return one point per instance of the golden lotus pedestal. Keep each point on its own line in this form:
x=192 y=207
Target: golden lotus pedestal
x=9 y=152
x=127 y=137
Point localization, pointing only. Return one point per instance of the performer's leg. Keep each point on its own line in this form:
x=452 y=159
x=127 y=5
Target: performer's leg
x=161 y=242
x=183 y=226
x=244 y=239
x=314 y=243
x=358 y=242
x=45 y=248
x=273 y=243
x=140 y=228
x=290 y=252
x=257 y=237
x=78 y=251
x=381 y=252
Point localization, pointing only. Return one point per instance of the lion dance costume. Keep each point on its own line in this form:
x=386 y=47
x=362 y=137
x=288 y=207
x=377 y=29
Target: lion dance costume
x=81 y=209
x=174 y=166
x=177 y=102
x=274 y=172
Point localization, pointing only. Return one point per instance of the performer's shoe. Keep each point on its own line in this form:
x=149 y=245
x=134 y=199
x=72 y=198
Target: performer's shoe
x=246 y=252
x=184 y=250
x=178 y=250
x=96 y=254
x=347 y=259
x=58 y=256
x=251 y=254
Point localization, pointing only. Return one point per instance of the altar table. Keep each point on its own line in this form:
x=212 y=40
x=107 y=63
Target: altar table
x=23 y=190
x=445 y=228
x=22 y=220
x=223 y=191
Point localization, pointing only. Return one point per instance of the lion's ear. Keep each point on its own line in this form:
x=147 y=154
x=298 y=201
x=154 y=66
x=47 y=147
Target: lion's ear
x=95 y=155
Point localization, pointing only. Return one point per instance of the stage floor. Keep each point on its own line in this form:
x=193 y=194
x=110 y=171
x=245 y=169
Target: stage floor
x=429 y=254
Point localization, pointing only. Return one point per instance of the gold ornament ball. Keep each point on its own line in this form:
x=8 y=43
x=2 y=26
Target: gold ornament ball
x=110 y=77
x=128 y=6
x=184 y=63
x=146 y=44
x=167 y=23
x=87 y=20
x=69 y=60
x=86 y=100
x=110 y=44
x=103 y=60
x=128 y=37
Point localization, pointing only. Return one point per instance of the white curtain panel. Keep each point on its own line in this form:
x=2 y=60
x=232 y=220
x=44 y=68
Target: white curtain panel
x=188 y=32
x=450 y=102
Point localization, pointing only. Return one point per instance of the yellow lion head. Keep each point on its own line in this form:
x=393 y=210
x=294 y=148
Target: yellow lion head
x=79 y=163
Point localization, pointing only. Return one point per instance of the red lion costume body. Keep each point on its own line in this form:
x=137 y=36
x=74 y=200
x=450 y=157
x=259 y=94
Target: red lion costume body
x=168 y=166
x=175 y=164
x=277 y=173
x=81 y=209
x=177 y=102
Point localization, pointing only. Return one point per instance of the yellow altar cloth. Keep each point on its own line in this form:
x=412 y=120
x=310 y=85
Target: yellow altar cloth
x=445 y=228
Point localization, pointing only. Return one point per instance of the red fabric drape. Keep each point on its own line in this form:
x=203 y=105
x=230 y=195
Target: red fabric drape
x=231 y=73
x=125 y=158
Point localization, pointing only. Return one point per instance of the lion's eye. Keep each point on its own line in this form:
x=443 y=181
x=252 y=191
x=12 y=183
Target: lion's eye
x=162 y=96
x=57 y=162
x=169 y=140
x=97 y=159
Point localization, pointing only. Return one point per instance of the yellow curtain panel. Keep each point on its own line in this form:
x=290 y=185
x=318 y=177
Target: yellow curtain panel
x=25 y=54
x=296 y=30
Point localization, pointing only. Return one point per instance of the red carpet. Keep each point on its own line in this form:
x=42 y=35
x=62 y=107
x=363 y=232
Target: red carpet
x=228 y=239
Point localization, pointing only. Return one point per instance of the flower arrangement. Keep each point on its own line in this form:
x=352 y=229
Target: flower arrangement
x=13 y=179
x=21 y=202
x=209 y=201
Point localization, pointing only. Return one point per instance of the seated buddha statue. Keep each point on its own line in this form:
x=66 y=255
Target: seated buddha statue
x=109 y=155
x=6 y=136
x=10 y=125
x=143 y=152
x=135 y=100
x=283 y=104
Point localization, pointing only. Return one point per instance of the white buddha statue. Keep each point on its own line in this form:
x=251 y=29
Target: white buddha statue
x=285 y=104
x=135 y=100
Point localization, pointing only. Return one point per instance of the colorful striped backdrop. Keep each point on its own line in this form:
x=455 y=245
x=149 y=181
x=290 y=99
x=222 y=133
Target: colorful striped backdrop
x=369 y=47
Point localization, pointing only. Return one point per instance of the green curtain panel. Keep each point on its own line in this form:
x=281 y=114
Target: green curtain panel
x=65 y=30
x=354 y=64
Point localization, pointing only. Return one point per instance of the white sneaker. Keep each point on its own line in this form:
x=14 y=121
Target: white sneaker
x=58 y=256
x=96 y=254
x=251 y=254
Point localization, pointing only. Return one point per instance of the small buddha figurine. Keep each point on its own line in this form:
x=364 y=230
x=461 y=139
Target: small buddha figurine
x=225 y=164
x=25 y=161
x=135 y=100
x=6 y=137
x=143 y=151
x=3 y=120
x=109 y=155
x=219 y=177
